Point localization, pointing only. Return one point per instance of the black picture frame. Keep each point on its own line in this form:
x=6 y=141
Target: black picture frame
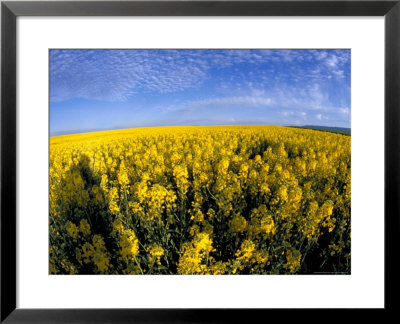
x=10 y=10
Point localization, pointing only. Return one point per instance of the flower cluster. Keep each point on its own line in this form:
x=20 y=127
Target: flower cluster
x=200 y=200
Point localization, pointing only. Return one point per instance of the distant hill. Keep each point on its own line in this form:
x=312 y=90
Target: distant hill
x=339 y=130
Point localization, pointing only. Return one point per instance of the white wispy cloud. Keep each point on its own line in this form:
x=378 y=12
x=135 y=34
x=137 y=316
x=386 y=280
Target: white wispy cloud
x=338 y=73
x=208 y=86
x=118 y=75
x=222 y=102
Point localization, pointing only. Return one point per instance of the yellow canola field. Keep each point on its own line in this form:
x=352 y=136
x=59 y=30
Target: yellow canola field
x=200 y=200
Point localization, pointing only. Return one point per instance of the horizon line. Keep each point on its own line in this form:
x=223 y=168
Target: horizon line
x=194 y=125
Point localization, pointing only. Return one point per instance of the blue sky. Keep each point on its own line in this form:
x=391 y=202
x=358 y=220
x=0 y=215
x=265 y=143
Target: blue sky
x=93 y=90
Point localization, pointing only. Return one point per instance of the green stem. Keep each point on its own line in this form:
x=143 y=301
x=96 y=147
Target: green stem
x=138 y=265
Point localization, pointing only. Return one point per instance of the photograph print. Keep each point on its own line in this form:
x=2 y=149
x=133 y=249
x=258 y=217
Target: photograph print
x=200 y=162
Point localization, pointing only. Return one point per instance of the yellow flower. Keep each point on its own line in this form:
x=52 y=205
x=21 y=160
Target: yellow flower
x=156 y=251
x=72 y=229
x=84 y=227
x=267 y=224
x=238 y=223
x=205 y=200
x=129 y=244
x=246 y=250
x=293 y=258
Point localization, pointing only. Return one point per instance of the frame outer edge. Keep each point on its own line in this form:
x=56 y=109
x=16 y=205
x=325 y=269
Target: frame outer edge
x=8 y=163
x=203 y=8
x=392 y=154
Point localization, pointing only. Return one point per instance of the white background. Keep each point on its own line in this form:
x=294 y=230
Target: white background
x=363 y=288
